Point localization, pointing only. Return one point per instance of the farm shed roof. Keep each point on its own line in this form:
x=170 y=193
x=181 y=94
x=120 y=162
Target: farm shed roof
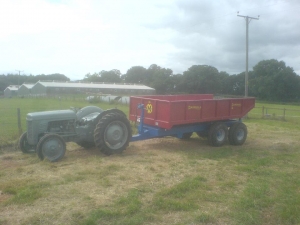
x=97 y=85
x=12 y=88
x=29 y=86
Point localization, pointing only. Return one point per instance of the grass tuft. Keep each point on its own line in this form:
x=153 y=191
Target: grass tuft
x=127 y=210
x=24 y=191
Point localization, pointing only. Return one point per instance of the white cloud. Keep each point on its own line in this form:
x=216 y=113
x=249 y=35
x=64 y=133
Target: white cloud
x=75 y=37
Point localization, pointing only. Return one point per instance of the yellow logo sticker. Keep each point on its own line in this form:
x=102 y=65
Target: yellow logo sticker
x=235 y=105
x=149 y=108
x=196 y=107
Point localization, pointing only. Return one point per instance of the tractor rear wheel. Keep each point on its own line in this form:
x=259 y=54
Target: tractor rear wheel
x=51 y=147
x=24 y=146
x=112 y=133
x=217 y=134
x=237 y=133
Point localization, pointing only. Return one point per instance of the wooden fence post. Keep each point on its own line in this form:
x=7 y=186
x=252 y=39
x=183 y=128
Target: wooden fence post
x=263 y=112
x=19 y=121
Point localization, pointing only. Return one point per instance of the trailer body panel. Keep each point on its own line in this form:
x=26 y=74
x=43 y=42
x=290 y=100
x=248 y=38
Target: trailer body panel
x=167 y=111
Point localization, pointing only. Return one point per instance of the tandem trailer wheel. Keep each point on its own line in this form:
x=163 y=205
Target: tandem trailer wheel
x=237 y=133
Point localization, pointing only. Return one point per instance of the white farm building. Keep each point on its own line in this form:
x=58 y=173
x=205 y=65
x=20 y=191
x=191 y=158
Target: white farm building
x=11 y=91
x=43 y=88
x=25 y=89
x=53 y=88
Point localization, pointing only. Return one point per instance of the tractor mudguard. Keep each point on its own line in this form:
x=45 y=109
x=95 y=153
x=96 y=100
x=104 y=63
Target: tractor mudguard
x=87 y=110
x=118 y=111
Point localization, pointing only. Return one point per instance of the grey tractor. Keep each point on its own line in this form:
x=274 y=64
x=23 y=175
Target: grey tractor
x=48 y=131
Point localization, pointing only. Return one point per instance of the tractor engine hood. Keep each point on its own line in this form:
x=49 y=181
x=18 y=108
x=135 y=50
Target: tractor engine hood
x=52 y=115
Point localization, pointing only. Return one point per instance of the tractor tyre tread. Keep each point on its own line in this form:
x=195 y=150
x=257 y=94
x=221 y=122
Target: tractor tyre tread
x=24 y=146
x=99 y=133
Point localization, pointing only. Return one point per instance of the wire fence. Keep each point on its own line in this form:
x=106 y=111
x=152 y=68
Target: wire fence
x=285 y=114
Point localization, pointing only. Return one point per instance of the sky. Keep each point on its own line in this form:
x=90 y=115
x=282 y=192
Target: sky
x=77 y=37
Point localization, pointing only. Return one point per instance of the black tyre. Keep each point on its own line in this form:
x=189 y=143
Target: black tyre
x=186 y=136
x=237 y=134
x=217 y=134
x=86 y=144
x=51 y=147
x=112 y=133
x=24 y=146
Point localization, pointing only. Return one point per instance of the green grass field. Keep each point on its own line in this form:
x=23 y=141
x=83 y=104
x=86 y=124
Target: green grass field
x=159 y=181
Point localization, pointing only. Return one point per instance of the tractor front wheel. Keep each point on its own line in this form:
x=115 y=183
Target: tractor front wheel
x=51 y=147
x=24 y=146
x=112 y=133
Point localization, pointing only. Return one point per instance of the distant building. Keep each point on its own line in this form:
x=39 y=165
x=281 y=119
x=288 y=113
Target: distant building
x=43 y=88
x=25 y=89
x=54 y=88
x=11 y=91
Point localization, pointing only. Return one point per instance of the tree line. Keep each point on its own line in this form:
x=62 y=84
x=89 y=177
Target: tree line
x=269 y=80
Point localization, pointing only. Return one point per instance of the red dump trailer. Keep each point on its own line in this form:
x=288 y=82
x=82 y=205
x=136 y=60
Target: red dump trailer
x=181 y=115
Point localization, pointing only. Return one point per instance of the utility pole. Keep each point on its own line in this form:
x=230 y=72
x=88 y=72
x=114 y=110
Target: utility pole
x=19 y=75
x=247 y=19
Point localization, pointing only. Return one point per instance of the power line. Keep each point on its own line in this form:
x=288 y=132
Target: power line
x=248 y=20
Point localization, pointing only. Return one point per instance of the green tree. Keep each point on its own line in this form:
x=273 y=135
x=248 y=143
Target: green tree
x=136 y=74
x=92 y=77
x=224 y=87
x=159 y=78
x=202 y=79
x=112 y=76
x=41 y=77
x=4 y=83
x=273 y=80
x=176 y=84
x=236 y=84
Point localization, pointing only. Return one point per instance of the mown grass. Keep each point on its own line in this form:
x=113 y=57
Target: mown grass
x=160 y=181
x=174 y=183
x=266 y=196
